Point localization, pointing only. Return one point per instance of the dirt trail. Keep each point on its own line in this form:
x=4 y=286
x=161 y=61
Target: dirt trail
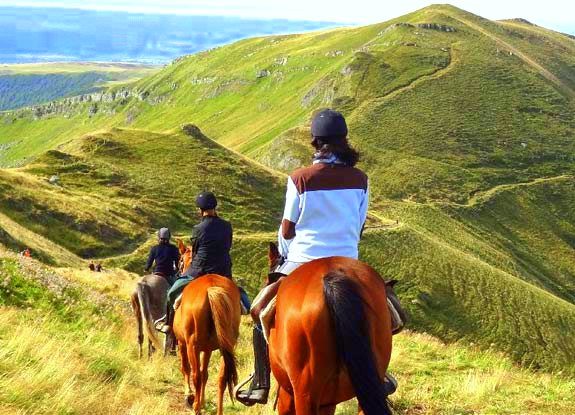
x=454 y=59
x=482 y=196
x=524 y=57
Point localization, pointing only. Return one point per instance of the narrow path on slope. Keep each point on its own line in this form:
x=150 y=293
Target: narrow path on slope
x=482 y=196
x=39 y=243
x=453 y=60
x=524 y=57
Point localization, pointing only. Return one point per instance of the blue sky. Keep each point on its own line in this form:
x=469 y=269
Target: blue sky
x=555 y=14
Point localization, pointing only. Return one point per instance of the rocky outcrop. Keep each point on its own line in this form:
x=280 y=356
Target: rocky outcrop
x=437 y=26
x=334 y=53
x=428 y=26
x=281 y=61
x=95 y=102
x=263 y=73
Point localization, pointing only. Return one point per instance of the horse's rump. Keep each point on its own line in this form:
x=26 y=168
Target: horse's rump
x=151 y=292
x=353 y=341
x=227 y=332
x=208 y=319
x=333 y=324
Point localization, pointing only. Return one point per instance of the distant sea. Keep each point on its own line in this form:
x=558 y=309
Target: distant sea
x=30 y=35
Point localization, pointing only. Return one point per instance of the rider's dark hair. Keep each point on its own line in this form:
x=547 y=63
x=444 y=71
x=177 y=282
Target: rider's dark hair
x=337 y=146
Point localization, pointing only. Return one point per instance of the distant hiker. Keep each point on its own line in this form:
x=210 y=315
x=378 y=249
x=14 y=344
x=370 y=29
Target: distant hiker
x=211 y=243
x=92 y=266
x=26 y=253
x=165 y=256
x=325 y=212
x=98 y=267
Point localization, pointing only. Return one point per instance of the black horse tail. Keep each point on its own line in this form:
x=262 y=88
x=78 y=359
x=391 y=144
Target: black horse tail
x=347 y=312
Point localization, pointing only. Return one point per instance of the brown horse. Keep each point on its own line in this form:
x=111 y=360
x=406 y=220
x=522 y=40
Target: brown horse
x=149 y=304
x=207 y=319
x=331 y=339
x=185 y=256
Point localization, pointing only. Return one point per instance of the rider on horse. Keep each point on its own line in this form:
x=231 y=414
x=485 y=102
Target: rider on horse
x=165 y=256
x=325 y=212
x=211 y=243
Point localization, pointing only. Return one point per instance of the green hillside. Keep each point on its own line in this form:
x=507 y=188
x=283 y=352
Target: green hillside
x=102 y=194
x=24 y=85
x=466 y=129
x=472 y=103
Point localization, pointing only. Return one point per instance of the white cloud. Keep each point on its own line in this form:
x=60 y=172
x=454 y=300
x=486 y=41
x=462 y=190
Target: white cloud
x=551 y=13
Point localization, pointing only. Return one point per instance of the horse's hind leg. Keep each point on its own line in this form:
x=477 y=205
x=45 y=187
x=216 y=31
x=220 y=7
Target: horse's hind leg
x=194 y=359
x=286 y=404
x=186 y=369
x=204 y=376
x=151 y=349
x=222 y=384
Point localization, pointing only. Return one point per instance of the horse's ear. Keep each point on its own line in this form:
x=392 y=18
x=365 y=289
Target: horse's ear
x=273 y=253
x=181 y=246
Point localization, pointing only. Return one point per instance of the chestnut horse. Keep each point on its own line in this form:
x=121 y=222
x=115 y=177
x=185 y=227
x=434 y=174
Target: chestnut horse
x=331 y=339
x=207 y=319
x=185 y=256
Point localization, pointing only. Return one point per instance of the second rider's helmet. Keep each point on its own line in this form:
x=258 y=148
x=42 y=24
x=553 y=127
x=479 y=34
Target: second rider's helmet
x=206 y=201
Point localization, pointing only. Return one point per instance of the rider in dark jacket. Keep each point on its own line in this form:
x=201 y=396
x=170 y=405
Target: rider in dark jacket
x=165 y=256
x=211 y=243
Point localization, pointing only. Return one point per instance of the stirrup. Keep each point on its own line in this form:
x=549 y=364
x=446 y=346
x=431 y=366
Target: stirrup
x=238 y=389
x=389 y=384
x=245 y=396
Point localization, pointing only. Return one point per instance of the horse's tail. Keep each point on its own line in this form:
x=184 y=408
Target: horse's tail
x=136 y=309
x=143 y=291
x=353 y=342
x=222 y=311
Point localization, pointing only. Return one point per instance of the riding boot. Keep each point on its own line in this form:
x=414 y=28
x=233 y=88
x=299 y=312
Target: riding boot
x=164 y=324
x=260 y=381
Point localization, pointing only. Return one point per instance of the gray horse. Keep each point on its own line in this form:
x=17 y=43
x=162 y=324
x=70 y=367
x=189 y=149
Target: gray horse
x=149 y=304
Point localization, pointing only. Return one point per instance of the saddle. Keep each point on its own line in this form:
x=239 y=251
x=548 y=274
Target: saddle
x=396 y=311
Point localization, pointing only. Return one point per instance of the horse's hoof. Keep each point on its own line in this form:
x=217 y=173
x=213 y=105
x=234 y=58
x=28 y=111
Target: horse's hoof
x=189 y=401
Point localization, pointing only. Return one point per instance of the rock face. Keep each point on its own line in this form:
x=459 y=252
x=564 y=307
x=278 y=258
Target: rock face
x=428 y=26
x=282 y=61
x=437 y=26
x=193 y=131
x=334 y=53
x=264 y=73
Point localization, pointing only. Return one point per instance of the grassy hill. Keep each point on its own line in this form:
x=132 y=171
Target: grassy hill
x=23 y=85
x=69 y=348
x=110 y=189
x=472 y=103
x=466 y=128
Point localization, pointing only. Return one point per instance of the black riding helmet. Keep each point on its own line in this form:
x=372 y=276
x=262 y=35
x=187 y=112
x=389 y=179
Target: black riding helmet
x=327 y=124
x=206 y=201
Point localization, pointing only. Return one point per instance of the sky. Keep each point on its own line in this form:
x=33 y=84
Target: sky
x=553 y=14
